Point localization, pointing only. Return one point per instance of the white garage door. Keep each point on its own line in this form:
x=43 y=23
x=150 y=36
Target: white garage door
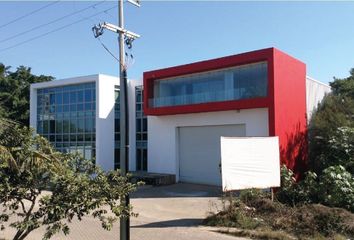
x=199 y=152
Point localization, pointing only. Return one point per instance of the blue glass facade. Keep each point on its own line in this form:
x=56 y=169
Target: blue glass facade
x=241 y=82
x=66 y=117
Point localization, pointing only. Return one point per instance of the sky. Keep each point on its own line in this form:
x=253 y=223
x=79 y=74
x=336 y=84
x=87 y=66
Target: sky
x=320 y=34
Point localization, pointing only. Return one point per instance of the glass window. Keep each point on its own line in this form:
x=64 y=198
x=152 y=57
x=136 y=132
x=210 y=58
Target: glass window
x=138 y=159
x=80 y=107
x=73 y=108
x=80 y=96
x=144 y=124
x=66 y=108
x=57 y=113
x=116 y=158
x=80 y=137
x=73 y=97
x=52 y=98
x=59 y=126
x=65 y=138
x=51 y=126
x=138 y=125
x=94 y=95
x=145 y=160
x=59 y=108
x=88 y=95
x=45 y=127
x=241 y=82
x=65 y=126
x=80 y=125
x=87 y=137
x=59 y=98
x=59 y=138
x=72 y=137
x=66 y=97
x=117 y=125
x=88 y=106
x=72 y=125
x=88 y=125
x=39 y=127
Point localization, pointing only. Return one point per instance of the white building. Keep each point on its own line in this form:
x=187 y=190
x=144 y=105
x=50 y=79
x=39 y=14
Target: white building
x=188 y=108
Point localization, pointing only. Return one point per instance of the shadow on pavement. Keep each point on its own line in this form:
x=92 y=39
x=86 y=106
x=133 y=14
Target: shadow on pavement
x=177 y=190
x=184 y=222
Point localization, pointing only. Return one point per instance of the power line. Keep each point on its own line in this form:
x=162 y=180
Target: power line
x=55 y=30
x=51 y=22
x=106 y=48
x=29 y=14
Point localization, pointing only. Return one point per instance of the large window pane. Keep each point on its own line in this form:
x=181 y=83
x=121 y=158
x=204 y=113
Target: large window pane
x=73 y=125
x=59 y=98
x=52 y=126
x=80 y=96
x=88 y=125
x=241 y=82
x=65 y=126
x=66 y=98
x=59 y=126
x=80 y=125
x=88 y=95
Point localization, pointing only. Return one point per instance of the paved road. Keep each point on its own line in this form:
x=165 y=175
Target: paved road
x=168 y=212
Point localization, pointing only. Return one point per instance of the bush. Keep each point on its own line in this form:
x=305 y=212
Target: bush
x=234 y=214
x=335 y=188
x=29 y=166
x=331 y=128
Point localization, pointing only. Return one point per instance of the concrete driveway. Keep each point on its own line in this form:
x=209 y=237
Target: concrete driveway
x=167 y=212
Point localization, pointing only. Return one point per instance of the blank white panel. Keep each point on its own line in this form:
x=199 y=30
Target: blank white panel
x=250 y=162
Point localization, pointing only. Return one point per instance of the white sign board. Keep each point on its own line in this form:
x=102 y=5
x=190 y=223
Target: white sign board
x=249 y=162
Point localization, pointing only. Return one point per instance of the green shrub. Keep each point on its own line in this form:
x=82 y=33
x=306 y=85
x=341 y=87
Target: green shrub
x=335 y=188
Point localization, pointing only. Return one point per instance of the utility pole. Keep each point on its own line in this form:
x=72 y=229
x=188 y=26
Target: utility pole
x=125 y=37
x=124 y=122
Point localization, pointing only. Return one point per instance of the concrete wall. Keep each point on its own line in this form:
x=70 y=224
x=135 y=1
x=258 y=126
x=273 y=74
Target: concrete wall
x=163 y=139
x=105 y=121
x=315 y=92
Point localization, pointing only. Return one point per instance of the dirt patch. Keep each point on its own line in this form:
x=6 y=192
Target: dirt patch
x=261 y=215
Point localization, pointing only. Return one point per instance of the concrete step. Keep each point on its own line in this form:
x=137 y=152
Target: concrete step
x=155 y=179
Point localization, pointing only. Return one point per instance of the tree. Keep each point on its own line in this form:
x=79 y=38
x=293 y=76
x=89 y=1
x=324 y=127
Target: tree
x=15 y=92
x=29 y=167
x=331 y=128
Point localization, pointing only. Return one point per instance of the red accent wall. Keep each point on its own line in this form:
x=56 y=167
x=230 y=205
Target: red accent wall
x=286 y=100
x=219 y=63
x=290 y=121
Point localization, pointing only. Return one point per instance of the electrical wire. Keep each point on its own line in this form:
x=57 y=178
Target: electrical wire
x=55 y=30
x=51 y=22
x=29 y=14
x=106 y=48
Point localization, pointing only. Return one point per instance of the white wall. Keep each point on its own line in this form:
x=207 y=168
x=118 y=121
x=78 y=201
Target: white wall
x=163 y=139
x=105 y=101
x=315 y=91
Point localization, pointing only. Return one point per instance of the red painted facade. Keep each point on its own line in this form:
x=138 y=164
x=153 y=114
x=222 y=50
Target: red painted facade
x=286 y=98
